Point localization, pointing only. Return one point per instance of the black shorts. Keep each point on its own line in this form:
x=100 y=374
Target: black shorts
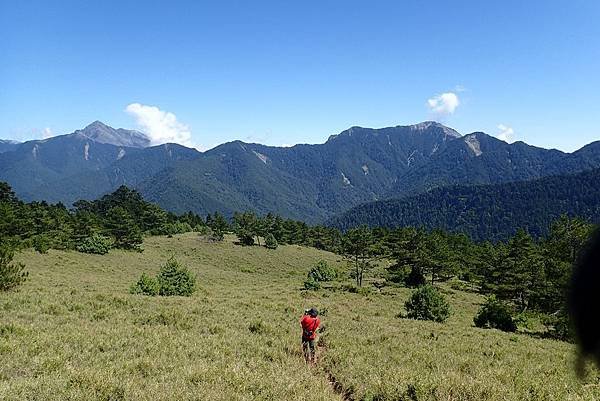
x=306 y=342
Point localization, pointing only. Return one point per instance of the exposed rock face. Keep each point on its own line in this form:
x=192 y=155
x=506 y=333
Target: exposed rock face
x=102 y=133
x=473 y=144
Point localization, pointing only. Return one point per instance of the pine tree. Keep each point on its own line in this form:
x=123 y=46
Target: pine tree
x=218 y=225
x=245 y=227
x=11 y=274
x=359 y=250
x=271 y=242
x=561 y=248
x=123 y=228
x=408 y=247
x=522 y=270
x=154 y=220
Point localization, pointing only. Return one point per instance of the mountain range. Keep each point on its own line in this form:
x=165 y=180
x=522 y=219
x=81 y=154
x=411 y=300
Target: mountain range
x=306 y=182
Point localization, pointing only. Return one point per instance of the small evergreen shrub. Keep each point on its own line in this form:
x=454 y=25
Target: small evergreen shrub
x=203 y=231
x=145 y=285
x=312 y=284
x=271 y=242
x=41 y=243
x=177 y=227
x=415 y=278
x=11 y=274
x=175 y=279
x=322 y=272
x=354 y=289
x=218 y=235
x=560 y=326
x=96 y=244
x=246 y=237
x=427 y=303
x=496 y=315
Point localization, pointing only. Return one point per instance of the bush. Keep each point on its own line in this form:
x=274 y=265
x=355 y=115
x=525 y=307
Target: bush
x=354 y=289
x=312 y=284
x=177 y=227
x=218 y=235
x=146 y=285
x=560 y=326
x=322 y=272
x=11 y=274
x=271 y=242
x=41 y=243
x=496 y=315
x=415 y=278
x=203 y=231
x=245 y=237
x=427 y=303
x=175 y=279
x=96 y=244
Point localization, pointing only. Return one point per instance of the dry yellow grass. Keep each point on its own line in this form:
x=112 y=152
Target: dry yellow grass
x=73 y=332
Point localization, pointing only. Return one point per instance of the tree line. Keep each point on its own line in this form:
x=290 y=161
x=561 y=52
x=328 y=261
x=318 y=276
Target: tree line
x=117 y=220
x=525 y=273
x=519 y=276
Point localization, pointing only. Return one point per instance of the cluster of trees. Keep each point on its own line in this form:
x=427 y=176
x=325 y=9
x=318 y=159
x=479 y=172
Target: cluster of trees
x=116 y=220
x=275 y=230
x=520 y=275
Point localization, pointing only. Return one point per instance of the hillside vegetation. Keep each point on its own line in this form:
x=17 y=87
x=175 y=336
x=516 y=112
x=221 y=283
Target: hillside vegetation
x=486 y=212
x=73 y=331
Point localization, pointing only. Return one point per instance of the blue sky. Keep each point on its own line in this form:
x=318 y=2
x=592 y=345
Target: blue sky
x=281 y=73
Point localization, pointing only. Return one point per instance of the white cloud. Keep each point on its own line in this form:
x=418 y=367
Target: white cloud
x=443 y=105
x=160 y=126
x=506 y=134
x=47 y=133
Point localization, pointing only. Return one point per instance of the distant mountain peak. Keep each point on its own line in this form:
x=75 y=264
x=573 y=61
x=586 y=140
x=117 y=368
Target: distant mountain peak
x=425 y=126
x=97 y=125
x=102 y=133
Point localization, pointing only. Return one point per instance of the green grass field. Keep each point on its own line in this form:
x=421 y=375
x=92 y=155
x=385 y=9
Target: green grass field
x=73 y=332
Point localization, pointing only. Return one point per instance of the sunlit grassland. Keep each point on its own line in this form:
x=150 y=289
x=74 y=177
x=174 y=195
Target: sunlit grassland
x=73 y=331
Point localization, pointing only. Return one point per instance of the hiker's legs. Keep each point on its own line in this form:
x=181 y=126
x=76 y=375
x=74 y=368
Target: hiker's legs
x=306 y=350
x=311 y=345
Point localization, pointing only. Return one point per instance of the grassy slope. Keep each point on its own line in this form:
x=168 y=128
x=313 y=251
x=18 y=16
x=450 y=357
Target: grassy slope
x=73 y=332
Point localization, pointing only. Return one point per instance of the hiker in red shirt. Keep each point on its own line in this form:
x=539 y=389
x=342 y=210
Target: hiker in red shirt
x=310 y=323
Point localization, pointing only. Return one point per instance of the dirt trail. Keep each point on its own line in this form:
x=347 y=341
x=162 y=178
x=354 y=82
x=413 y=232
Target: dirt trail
x=338 y=388
x=335 y=385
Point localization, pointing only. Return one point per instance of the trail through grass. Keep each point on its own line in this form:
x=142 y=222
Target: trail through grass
x=73 y=332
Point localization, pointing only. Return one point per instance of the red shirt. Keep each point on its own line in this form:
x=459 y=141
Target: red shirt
x=309 y=327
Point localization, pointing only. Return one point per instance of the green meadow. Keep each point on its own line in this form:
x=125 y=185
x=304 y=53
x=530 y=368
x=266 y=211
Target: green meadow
x=74 y=332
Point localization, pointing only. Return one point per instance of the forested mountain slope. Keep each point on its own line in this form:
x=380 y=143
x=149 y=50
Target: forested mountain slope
x=305 y=182
x=489 y=212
